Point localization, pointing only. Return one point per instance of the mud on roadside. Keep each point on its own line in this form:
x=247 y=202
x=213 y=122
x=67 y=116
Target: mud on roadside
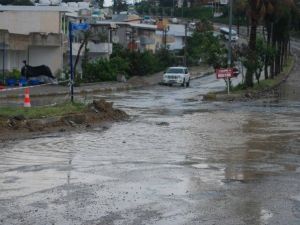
x=96 y=113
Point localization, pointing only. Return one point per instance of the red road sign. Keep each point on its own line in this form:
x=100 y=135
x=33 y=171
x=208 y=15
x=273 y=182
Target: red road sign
x=224 y=73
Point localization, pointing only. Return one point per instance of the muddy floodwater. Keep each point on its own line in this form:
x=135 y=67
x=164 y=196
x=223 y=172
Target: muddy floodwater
x=178 y=161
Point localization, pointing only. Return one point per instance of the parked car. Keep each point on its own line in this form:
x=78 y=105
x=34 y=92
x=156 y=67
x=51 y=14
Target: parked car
x=177 y=75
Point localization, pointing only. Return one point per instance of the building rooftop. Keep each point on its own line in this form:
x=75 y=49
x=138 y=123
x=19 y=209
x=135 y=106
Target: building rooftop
x=33 y=8
x=137 y=25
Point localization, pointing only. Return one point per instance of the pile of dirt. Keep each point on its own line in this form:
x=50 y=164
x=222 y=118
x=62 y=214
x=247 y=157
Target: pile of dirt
x=18 y=127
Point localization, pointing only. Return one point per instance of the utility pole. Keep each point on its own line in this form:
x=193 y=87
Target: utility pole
x=230 y=34
x=3 y=57
x=229 y=62
x=185 y=44
x=165 y=37
x=165 y=30
x=173 y=9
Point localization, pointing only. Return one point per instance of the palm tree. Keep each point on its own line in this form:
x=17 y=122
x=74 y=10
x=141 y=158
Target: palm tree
x=256 y=7
x=239 y=10
x=279 y=22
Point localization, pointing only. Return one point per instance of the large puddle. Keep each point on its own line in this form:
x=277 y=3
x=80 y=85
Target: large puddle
x=178 y=161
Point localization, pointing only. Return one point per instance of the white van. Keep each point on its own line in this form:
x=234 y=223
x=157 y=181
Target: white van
x=177 y=75
x=225 y=33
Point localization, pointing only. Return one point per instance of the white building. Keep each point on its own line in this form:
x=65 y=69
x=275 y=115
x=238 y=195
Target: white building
x=31 y=33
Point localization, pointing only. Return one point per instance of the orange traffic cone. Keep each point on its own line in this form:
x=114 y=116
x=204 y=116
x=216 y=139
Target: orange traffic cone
x=27 y=98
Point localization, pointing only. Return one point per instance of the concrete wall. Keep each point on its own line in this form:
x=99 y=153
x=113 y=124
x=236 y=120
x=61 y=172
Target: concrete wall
x=50 y=56
x=1 y=61
x=15 y=59
x=24 y=22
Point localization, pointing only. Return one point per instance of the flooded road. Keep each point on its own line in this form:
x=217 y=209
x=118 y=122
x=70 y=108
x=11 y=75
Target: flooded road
x=179 y=161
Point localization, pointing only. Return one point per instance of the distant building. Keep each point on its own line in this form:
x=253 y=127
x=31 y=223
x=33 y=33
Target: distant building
x=175 y=37
x=31 y=33
x=131 y=35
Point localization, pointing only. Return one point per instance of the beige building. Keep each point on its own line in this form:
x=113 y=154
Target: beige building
x=31 y=33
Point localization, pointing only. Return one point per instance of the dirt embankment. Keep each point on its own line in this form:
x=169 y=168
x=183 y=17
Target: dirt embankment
x=96 y=113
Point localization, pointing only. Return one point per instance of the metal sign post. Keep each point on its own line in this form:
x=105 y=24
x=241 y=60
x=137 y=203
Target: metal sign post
x=229 y=42
x=228 y=86
x=3 y=57
x=225 y=74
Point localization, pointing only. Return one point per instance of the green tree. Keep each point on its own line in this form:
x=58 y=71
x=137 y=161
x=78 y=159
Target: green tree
x=206 y=47
x=119 y=6
x=99 y=3
x=240 y=10
x=255 y=14
x=264 y=54
x=278 y=21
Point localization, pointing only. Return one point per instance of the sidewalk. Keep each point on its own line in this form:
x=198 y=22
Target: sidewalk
x=132 y=83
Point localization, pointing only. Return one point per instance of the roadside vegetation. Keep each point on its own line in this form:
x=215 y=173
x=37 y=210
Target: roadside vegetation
x=204 y=47
x=267 y=83
x=25 y=122
x=42 y=112
x=268 y=49
x=126 y=62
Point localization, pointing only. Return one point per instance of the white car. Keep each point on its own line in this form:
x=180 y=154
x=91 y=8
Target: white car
x=177 y=75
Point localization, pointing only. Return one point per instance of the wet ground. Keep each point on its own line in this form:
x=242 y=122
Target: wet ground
x=178 y=161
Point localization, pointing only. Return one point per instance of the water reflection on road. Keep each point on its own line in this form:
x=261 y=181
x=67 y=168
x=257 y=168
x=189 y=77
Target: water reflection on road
x=178 y=161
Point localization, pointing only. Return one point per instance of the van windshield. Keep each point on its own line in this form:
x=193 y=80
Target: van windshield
x=175 y=70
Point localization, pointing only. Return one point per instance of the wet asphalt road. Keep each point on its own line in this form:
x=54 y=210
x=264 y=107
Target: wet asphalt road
x=178 y=161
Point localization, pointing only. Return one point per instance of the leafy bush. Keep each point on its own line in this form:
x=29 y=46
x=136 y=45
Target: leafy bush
x=125 y=62
x=204 y=46
x=142 y=63
x=105 y=70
